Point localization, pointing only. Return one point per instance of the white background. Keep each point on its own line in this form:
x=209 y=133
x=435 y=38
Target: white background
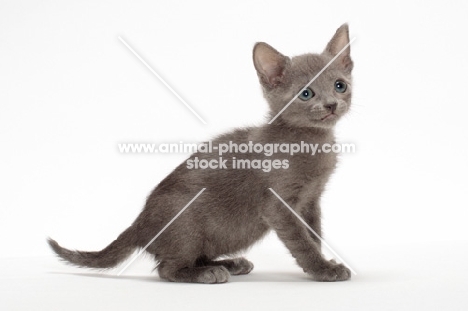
x=71 y=91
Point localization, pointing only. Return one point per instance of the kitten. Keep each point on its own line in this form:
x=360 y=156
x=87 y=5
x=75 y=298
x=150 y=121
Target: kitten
x=237 y=208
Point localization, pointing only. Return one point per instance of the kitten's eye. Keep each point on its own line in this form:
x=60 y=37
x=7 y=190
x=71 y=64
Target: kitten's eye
x=306 y=94
x=340 y=86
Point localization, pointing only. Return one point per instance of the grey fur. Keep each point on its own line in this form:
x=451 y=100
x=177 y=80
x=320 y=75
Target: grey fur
x=236 y=210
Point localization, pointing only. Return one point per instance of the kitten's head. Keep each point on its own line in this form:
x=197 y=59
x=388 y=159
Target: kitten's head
x=324 y=101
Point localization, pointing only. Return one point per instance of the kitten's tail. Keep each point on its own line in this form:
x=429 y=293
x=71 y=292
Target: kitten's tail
x=109 y=257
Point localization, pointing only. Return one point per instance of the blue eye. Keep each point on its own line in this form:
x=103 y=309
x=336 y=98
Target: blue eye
x=340 y=86
x=306 y=94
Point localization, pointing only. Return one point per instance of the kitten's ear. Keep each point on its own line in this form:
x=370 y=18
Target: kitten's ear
x=270 y=64
x=336 y=44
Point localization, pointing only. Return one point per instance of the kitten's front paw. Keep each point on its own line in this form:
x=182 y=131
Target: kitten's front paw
x=332 y=272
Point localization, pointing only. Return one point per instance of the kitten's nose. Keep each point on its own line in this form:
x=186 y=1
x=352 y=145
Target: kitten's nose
x=331 y=107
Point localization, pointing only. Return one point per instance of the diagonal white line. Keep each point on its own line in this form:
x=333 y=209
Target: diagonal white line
x=313 y=79
x=313 y=231
x=159 y=233
x=162 y=80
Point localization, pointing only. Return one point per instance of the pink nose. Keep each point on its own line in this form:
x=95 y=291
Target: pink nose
x=330 y=107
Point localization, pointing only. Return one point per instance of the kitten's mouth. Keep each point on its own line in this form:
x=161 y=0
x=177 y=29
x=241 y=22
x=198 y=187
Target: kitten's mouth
x=329 y=116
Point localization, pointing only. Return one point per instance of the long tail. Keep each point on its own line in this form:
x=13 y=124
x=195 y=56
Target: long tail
x=109 y=257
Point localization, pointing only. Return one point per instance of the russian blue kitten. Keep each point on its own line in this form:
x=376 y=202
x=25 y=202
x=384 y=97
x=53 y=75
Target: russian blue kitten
x=237 y=208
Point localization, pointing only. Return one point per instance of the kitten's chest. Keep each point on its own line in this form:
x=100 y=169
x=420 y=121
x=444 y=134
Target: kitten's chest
x=311 y=153
x=310 y=172
x=310 y=161
x=306 y=177
x=313 y=164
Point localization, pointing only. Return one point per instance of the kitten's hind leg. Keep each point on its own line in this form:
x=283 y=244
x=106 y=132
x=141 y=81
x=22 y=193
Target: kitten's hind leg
x=194 y=274
x=235 y=266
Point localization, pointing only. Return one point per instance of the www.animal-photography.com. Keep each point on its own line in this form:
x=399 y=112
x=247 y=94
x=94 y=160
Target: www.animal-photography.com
x=254 y=155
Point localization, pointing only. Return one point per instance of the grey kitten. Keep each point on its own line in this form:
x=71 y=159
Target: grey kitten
x=237 y=209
